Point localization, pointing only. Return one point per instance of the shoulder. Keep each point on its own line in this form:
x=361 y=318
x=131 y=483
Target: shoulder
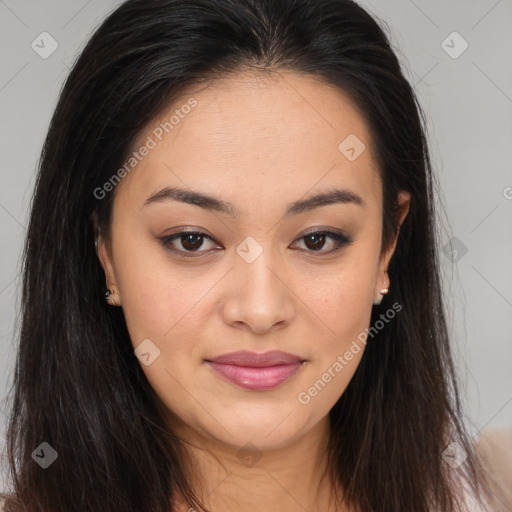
x=8 y=502
x=469 y=502
x=494 y=448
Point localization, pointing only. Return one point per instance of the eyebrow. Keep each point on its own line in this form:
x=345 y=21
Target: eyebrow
x=209 y=202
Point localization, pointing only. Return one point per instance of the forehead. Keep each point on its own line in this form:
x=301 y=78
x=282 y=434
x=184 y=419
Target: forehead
x=249 y=133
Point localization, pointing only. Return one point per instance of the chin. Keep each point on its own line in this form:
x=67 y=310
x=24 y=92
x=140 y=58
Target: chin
x=268 y=432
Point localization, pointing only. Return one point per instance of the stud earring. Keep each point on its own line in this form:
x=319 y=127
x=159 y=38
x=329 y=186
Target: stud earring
x=108 y=297
x=383 y=292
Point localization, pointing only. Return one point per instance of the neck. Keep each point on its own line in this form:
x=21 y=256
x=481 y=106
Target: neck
x=229 y=479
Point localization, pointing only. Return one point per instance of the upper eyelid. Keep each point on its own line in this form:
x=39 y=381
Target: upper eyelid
x=312 y=231
x=327 y=231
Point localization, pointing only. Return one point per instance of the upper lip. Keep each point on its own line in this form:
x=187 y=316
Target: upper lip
x=253 y=359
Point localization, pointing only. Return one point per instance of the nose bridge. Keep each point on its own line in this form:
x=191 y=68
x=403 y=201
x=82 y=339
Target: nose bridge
x=257 y=266
x=259 y=297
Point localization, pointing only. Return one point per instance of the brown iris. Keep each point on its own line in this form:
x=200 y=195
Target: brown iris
x=191 y=241
x=318 y=240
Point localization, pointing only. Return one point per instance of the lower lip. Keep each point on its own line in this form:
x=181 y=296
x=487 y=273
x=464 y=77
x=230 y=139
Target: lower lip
x=257 y=379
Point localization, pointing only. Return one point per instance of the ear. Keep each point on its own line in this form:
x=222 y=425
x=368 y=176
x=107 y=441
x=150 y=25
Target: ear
x=404 y=200
x=104 y=253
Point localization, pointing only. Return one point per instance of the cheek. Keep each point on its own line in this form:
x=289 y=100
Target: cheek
x=344 y=305
x=157 y=300
x=343 y=297
x=160 y=308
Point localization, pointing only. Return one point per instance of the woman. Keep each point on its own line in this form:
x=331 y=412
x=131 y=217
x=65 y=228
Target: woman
x=231 y=292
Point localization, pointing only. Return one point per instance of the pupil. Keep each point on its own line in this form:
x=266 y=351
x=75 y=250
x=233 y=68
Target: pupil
x=318 y=241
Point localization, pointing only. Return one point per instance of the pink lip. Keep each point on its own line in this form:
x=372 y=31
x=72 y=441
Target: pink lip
x=255 y=371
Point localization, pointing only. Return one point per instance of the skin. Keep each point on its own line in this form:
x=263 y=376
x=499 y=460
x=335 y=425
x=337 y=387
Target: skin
x=259 y=142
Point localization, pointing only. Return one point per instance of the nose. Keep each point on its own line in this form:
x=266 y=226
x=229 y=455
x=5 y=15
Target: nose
x=260 y=297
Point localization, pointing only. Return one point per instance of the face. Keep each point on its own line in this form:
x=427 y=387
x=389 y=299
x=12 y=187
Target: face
x=267 y=267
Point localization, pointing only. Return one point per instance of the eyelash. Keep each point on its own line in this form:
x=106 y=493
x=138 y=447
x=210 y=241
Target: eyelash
x=341 y=240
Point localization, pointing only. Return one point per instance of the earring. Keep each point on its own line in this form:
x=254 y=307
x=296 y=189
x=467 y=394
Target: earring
x=383 y=292
x=108 y=297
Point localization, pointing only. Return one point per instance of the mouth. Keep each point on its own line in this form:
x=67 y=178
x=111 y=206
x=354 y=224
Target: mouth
x=257 y=372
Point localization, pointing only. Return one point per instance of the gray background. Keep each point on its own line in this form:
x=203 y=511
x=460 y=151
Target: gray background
x=468 y=101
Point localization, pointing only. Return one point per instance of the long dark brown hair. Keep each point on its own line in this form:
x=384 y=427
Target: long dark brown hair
x=77 y=383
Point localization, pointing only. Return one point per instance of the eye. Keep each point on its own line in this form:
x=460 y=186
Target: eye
x=190 y=241
x=316 y=240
